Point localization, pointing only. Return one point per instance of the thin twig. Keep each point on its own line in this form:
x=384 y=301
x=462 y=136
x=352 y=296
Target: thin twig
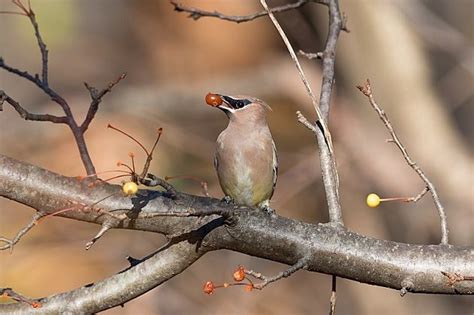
x=105 y=227
x=203 y=183
x=367 y=91
x=318 y=55
x=196 y=14
x=8 y=292
x=419 y=196
x=332 y=300
x=302 y=119
x=300 y=264
x=11 y=242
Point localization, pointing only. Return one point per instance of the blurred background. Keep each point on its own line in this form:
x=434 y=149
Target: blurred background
x=418 y=55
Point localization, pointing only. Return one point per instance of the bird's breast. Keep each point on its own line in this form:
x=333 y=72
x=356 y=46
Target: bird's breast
x=244 y=164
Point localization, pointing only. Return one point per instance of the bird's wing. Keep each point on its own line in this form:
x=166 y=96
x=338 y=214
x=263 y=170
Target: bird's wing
x=216 y=162
x=274 y=166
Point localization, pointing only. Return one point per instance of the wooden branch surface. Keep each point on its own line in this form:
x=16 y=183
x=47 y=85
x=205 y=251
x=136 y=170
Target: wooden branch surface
x=413 y=268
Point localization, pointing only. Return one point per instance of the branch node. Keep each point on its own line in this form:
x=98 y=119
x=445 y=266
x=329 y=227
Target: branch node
x=318 y=55
x=302 y=119
x=132 y=261
x=407 y=285
x=107 y=225
x=454 y=277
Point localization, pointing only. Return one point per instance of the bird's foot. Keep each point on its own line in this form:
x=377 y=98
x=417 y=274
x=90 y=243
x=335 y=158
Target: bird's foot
x=265 y=206
x=228 y=200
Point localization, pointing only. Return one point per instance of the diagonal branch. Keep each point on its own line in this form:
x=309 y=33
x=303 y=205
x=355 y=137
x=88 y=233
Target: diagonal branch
x=367 y=91
x=327 y=159
x=27 y=115
x=119 y=288
x=11 y=242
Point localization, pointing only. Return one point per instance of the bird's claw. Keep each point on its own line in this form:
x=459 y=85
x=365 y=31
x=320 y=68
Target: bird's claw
x=267 y=209
x=265 y=206
x=228 y=200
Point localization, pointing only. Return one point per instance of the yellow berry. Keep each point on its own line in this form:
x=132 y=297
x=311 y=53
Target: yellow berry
x=373 y=200
x=130 y=188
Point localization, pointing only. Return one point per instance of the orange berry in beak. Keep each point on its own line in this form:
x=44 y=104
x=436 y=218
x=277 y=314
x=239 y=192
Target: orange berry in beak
x=213 y=99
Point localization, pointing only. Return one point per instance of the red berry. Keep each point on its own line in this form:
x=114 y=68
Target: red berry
x=208 y=287
x=239 y=274
x=213 y=99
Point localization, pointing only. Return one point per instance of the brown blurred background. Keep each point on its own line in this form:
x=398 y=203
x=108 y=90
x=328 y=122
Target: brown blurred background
x=418 y=55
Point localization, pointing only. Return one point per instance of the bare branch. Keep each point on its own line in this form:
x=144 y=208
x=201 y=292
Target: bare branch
x=330 y=250
x=300 y=264
x=120 y=288
x=318 y=55
x=30 y=116
x=19 y=298
x=326 y=152
x=332 y=300
x=302 y=119
x=43 y=84
x=105 y=227
x=367 y=91
x=41 y=45
x=419 y=196
x=300 y=72
x=196 y=14
x=11 y=242
x=96 y=97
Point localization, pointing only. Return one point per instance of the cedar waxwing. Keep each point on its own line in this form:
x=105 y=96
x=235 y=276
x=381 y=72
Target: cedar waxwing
x=245 y=159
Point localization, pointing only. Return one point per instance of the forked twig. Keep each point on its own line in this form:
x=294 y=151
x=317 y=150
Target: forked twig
x=11 y=242
x=42 y=82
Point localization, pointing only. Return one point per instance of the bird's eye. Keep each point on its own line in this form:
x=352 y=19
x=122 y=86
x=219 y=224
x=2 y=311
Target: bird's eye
x=239 y=104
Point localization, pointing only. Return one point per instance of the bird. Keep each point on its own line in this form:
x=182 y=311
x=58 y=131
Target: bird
x=246 y=158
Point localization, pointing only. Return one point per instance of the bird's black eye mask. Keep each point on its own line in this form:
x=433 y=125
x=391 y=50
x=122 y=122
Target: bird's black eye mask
x=236 y=104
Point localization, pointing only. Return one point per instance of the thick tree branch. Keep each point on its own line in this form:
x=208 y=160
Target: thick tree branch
x=330 y=250
x=119 y=288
